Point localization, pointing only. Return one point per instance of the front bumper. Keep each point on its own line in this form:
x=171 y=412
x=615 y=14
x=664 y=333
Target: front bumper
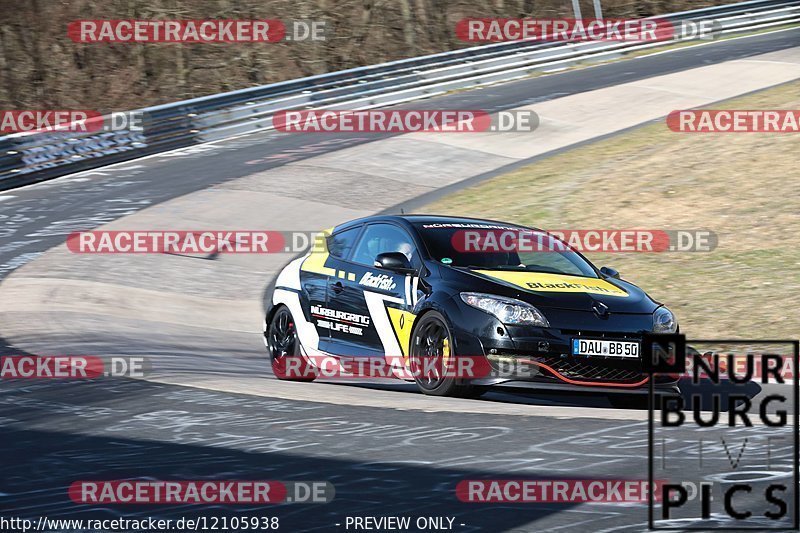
x=544 y=356
x=667 y=389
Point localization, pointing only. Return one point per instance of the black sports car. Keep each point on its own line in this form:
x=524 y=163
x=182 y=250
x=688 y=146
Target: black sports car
x=387 y=286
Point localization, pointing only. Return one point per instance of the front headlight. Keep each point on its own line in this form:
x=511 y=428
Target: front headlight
x=664 y=321
x=507 y=310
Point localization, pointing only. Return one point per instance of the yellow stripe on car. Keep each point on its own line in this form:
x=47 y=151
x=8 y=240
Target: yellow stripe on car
x=402 y=322
x=545 y=282
x=315 y=262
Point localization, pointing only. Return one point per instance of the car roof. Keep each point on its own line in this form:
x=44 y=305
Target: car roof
x=426 y=219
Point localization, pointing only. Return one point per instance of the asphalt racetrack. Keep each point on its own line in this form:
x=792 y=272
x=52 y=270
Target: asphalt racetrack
x=212 y=410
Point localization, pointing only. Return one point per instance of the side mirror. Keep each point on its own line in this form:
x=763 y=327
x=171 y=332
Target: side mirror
x=396 y=262
x=609 y=272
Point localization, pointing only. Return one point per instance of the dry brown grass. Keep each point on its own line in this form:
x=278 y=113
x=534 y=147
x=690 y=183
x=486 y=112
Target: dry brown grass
x=744 y=187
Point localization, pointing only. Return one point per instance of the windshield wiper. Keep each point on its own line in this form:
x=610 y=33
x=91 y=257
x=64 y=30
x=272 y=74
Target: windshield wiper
x=492 y=267
x=508 y=267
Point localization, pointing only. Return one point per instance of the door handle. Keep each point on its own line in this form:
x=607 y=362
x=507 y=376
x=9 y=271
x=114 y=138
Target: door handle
x=338 y=287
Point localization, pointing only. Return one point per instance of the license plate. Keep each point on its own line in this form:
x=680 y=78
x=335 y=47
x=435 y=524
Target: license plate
x=605 y=348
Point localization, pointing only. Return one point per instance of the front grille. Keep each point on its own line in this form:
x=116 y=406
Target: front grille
x=602 y=335
x=585 y=369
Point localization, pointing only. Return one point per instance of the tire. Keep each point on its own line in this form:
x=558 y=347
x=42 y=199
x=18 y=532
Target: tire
x=432 y=340
x=288 y=363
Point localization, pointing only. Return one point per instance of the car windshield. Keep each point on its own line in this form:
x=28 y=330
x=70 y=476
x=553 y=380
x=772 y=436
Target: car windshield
x=498 y=247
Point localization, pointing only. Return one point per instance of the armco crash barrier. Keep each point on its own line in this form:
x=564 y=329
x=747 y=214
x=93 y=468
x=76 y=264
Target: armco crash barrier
x=29 y=158
x=34 y=157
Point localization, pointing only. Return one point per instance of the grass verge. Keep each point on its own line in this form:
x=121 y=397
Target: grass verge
x=743 y=186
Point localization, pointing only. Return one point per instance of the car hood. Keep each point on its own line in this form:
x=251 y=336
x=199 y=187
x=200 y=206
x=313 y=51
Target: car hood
x=559 y=291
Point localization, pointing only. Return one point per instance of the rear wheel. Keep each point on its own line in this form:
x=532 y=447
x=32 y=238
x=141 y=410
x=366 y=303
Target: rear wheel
x=431 y=352
x=284 y=348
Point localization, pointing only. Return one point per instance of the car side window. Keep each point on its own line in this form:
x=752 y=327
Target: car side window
x=382 y=238
x=340 y=244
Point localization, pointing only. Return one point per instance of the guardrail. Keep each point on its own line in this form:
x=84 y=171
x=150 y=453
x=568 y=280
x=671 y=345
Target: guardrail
x=29 y=158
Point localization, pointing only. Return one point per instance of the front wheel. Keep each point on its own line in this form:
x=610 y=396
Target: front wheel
x=284 y=348
x=431 y=353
